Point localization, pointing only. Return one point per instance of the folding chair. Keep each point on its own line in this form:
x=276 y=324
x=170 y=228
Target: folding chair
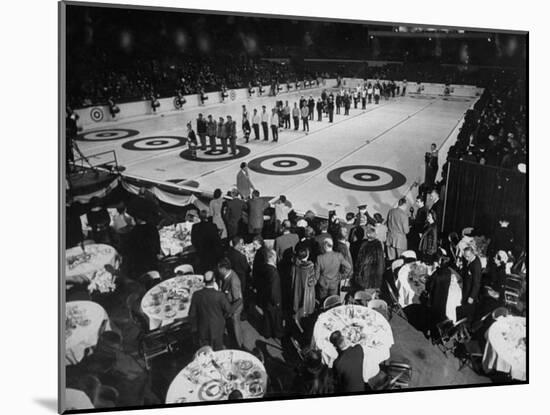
x=331 y=302
x=450 y=334
x=398 y=375
x=393 y=304
x=513 y=286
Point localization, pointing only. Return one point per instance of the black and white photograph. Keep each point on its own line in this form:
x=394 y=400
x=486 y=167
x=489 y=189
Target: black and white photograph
x=270 y=207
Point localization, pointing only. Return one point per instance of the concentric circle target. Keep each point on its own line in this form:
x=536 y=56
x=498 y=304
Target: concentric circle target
x=96 y=114
x=366 y=178
x=284 y=164
x=161 y=142
x=215 y=155
x=107 y=134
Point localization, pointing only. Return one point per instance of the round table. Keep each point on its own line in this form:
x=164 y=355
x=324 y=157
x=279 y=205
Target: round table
x=170 y=299
x=506 y=349
x=84 y=321
x=175 y=239
x=89 y=264
x=360 y=325
x=411 y=282
x=213 y=375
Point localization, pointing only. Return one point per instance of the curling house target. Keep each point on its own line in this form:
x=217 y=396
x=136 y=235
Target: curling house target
x=284 y=164
x=161 y=142
x=215 y=155
x=366 y=178
x=107 y=134
x=96 y=114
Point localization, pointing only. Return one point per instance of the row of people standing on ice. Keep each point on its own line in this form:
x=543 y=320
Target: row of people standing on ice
x=280 y=116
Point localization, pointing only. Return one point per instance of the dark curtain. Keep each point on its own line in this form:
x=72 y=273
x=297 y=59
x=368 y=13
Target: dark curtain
x=479 y=195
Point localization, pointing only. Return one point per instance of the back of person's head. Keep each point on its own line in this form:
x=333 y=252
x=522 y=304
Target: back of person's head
x=235 y=395
x=282 y=198
x=328 y=244
x=358 y=233
x=350 y=216
x=121 y=208
x=402 y=201
x=203 y=215
x=302 y=254
x=224 y=264
x=378 y=218
x=243 y=164
x=286 y=225
x=236 y=241
x=209 y=278
x=336 y=339
x=342 y=233
x=217 y=193
x=256 y=193
x=258 y=239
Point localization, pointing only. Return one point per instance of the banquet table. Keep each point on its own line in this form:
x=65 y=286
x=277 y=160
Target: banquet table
x=360 y=325
x=170 y=299
x=411 y=282
x=175 y=239
x=89 y=264
x=77 y=399
x=505 y=350
x=213 y=375
x=84 y=321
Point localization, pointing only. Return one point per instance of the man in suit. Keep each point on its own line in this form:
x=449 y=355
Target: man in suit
x=201 y=131
x=319 y=107
x=208 y=312
x=222 y=134
x=238 y=260
x=272 y=298
x=211 y=130
x=305 y=118
x=206 y=241
x=286 y=115
x=284 y=248
x=231 y=127
x=275 y=125
x=311 y=106
x=329 y=269
x=471 y=282
x=418 y=223
x=348 y=366
x=231 y=287
x=330 y=110
x=255 y=208
x=244 y=184
x=398 y=228
x=234 y=213
x=296 y=116
x=437 y=206
x=320 y=238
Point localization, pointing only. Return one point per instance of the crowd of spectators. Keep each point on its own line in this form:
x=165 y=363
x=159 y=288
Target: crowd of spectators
x=494 y=132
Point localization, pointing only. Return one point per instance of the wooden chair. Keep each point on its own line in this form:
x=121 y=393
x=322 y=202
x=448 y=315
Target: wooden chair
x=331 y=302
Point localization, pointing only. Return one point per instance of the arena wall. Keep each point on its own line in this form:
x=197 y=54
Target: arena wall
x=95 y=115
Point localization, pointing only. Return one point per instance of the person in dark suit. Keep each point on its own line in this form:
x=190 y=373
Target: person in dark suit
x=348 y=366
x=272 y=298
x=471 y=282
x=330 y=109
x=142 y=248
x=231 y=127
x=284 y=248
x=211 y=130
x=418 y=223
x=255 y=209
x=206 y=241
x=234 y=213
x=231 y=286
x=437 y=207
x=201 y=131
x=319 y=107
x=429 y=241
x=238 y=260
x=208 y=312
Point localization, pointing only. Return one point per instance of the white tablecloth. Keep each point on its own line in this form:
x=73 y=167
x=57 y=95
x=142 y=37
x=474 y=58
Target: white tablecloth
x=505 y=350
x=88 y=317
x=201 y=381
x=90 y=263
x=170 y=299
x=76 y=399
x=360 y=325
x=175 y=239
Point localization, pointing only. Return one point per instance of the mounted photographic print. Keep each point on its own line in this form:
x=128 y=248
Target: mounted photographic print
x=260 y=207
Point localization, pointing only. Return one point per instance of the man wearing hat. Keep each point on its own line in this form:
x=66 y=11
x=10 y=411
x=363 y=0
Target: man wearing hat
x=208 y=312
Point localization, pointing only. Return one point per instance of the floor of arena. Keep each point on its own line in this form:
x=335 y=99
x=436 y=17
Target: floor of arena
x=373 y=156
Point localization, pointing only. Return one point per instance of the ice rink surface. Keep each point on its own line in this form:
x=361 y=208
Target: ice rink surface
x=372 y=156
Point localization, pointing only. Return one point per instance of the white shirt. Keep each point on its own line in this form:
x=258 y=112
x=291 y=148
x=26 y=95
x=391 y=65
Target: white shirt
x=275 y=120
x=256 y=118
x=265 y=117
